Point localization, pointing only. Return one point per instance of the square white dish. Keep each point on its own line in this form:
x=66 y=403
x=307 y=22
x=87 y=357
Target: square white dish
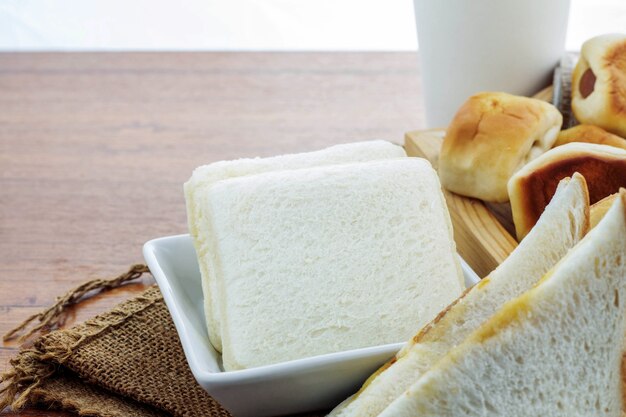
x=286 y=388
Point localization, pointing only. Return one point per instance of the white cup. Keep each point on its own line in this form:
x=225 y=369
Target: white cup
x=469 y=46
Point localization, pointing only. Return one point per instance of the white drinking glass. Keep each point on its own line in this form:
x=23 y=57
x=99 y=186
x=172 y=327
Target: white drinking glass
x=469 y=46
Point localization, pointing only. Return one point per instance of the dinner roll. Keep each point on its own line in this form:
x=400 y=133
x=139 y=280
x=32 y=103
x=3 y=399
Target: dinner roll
x=599 y=83
x=490 y=138
x=589 y=134
x=532 y=187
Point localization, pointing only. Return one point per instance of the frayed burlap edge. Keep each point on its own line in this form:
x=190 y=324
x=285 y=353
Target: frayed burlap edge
x=28 y=370
x=60 y=345
x=32 y=366
x=53 y=316
x=69 y=393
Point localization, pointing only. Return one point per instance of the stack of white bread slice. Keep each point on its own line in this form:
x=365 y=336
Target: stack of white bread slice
x=322 y=252
x=204 y=177
x=555 y=350
x=563 y=224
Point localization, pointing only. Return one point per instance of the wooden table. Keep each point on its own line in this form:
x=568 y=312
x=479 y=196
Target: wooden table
x=94 y=149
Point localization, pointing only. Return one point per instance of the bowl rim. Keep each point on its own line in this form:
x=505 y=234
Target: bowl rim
x=199 y=368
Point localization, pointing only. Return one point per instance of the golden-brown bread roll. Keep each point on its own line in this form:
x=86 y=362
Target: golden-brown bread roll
x=599 y=83
x=589 y=134
x=532 y=187
x=490 y=138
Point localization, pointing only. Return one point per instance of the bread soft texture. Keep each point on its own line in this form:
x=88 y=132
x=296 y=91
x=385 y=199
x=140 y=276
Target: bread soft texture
x=490 y=138
x=589 y=134
x=555 y=351
x=321 y=260
x=599 y=83
x=561 y=226
x=205 y=176
x=530 y=189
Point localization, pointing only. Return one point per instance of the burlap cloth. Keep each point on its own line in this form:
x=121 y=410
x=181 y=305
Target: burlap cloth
x=125 y=362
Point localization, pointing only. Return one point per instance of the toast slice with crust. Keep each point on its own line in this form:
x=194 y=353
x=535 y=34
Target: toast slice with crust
x=555 y=351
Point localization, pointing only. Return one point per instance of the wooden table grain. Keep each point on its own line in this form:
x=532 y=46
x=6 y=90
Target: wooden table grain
x=95 y=147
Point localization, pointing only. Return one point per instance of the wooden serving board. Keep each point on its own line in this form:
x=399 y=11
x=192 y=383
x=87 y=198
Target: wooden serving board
x=481 y=236
x=484 y=232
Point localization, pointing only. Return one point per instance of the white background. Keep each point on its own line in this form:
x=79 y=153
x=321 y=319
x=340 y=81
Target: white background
x=243 y=24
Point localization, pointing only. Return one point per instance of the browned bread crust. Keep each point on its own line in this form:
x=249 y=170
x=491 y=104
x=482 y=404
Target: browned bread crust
x=530 y=189
x=589 y=134
x=490 y=138
x=599 y=209
x=599 y=83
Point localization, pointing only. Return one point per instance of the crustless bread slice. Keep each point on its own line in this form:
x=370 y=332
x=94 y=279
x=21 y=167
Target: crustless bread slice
x=326 y=259
x=205 y=176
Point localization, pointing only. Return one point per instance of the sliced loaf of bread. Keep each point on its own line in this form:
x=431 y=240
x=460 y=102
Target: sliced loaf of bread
x=326 y=259
x=205 y=176
x=555 y=351
x=564 y=222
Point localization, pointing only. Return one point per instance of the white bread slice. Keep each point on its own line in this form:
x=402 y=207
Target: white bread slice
x=205 y=176
x=564 y=222
x=326 y=259
x=555 y=351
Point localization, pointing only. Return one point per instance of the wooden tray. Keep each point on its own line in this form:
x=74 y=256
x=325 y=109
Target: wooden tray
x=484 y=232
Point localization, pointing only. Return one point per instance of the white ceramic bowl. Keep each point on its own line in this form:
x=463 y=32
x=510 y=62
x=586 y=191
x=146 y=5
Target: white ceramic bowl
x=292 y=387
